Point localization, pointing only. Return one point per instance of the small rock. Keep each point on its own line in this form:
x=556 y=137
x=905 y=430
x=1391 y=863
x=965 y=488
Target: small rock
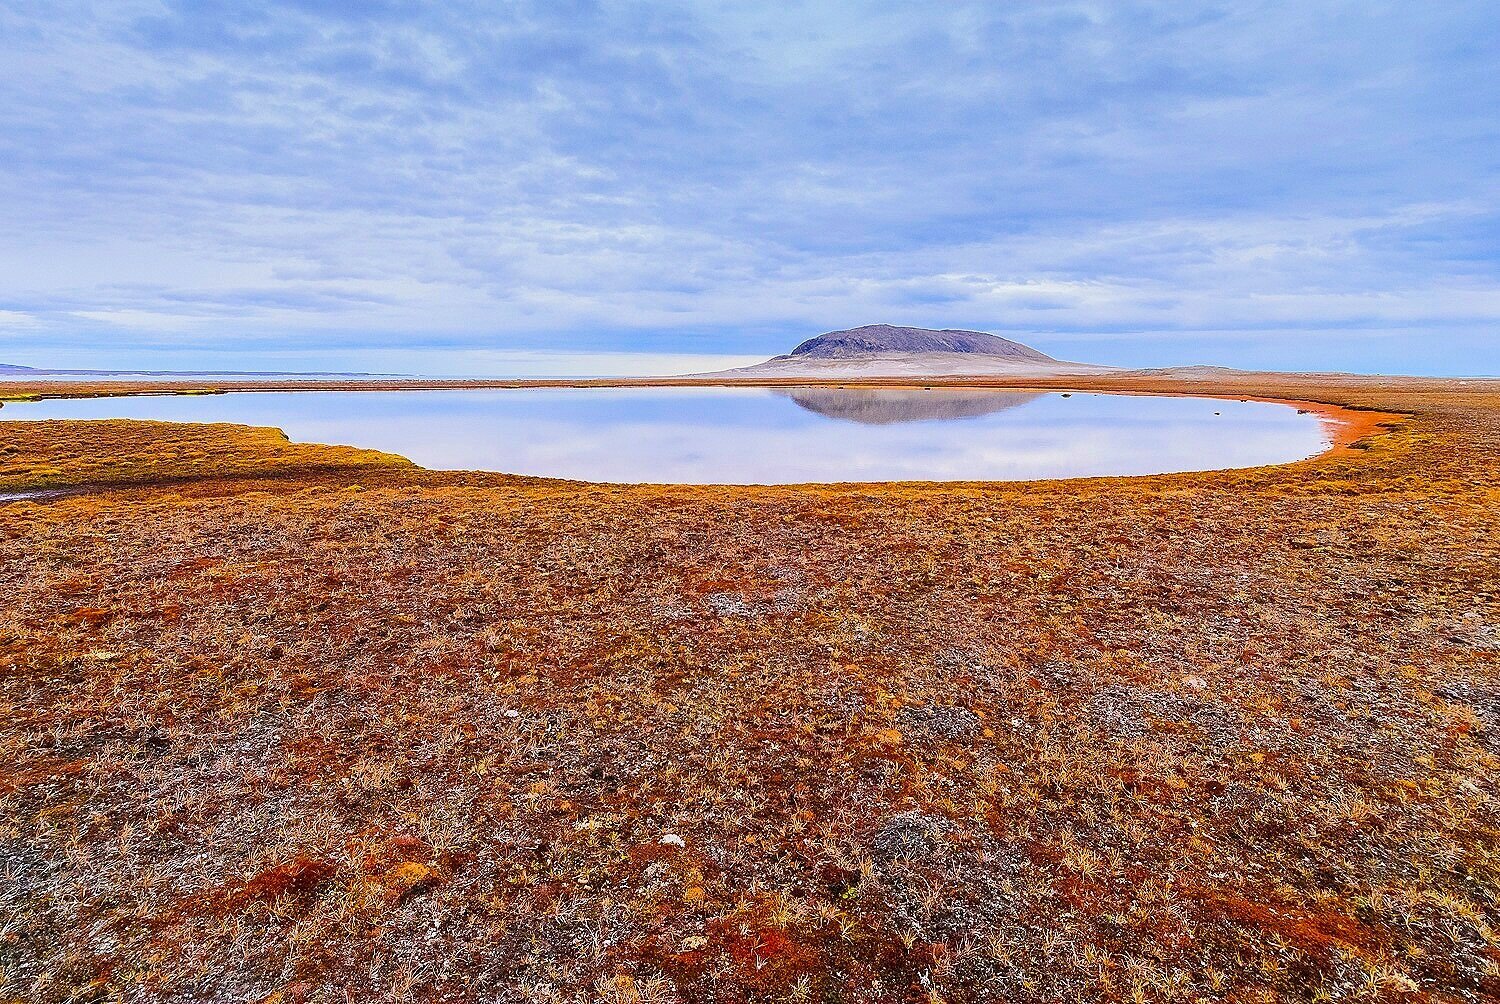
x=1196 y=682
x=729 y=605
x=909 y=835
x=673 y=840
x=512 y=713
x=940 y=721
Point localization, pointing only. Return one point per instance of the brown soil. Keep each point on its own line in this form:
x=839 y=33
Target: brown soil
x=284 y=722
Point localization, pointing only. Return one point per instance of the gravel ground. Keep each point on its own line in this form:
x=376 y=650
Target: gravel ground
x=296 y=723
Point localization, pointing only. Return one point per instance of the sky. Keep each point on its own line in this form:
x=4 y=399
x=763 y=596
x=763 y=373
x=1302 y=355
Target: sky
x=570 y=187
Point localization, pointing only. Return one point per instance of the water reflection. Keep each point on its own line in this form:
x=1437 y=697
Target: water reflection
x=889 y=407
x=756 y=435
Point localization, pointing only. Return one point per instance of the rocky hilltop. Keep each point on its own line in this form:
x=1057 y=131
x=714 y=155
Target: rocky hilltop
x=887 y=339
x=888 y=350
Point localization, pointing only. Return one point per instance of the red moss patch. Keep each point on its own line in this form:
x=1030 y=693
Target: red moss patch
x=1318 y=934
x=763 y=958
x=302 y=877
x=410 y=878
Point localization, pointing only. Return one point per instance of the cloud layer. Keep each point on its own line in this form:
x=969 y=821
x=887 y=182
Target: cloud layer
x=426 y=186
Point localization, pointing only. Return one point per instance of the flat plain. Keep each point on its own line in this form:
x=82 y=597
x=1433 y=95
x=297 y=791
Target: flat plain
x=283 y=722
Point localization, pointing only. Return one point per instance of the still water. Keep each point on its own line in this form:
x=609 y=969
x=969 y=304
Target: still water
x=757 y=435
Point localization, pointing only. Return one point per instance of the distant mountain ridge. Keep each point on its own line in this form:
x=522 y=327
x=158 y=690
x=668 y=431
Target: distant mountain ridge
x=13 y=368
x=879 y=339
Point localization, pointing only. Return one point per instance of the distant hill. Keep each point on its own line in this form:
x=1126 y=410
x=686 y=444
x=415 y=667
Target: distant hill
x=888 y=339
x=888 y=350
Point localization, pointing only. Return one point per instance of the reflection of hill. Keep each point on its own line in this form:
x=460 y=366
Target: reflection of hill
x=888 y=407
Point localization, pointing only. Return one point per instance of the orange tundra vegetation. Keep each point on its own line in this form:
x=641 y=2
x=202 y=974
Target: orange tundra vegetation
x=303 y=723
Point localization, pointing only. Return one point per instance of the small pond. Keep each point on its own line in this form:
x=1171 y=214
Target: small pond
x=745 y=435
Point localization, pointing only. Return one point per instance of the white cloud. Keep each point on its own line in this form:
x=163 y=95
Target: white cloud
x=709 y=178
x=15 y=320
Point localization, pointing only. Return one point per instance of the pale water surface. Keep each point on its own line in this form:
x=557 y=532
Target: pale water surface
x=757 y=435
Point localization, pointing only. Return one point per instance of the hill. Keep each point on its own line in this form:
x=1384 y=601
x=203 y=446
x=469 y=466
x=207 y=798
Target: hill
x=884 y=339
x=887 y=350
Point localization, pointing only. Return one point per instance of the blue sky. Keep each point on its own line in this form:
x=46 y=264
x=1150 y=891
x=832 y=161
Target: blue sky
x=558 y=187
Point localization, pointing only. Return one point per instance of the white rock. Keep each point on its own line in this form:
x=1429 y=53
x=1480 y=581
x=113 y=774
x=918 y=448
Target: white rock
x=673 y=839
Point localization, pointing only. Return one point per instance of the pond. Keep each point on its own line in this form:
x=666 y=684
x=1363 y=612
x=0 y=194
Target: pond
x=746 y=435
